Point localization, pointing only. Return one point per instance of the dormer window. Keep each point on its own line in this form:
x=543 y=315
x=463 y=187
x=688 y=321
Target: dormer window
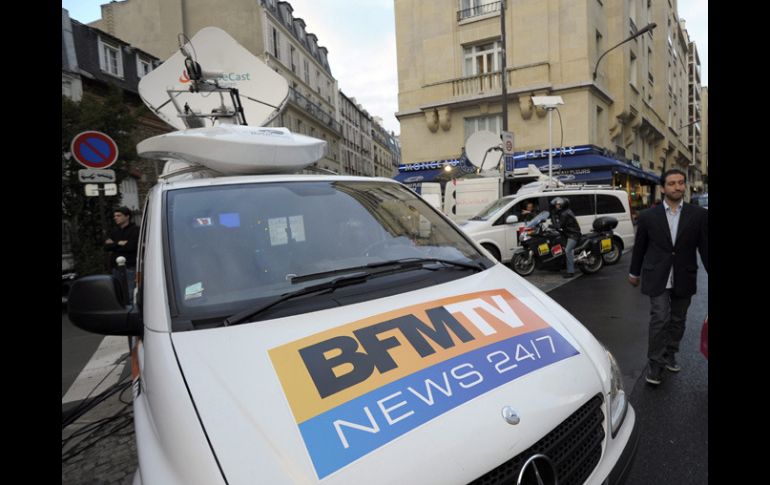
x=110 y=58
x=143 y=67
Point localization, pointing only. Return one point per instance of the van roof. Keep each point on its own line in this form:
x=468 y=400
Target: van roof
x=241 y=179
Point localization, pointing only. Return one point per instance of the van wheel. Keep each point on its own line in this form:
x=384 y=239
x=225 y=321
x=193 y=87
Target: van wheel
x=523 y=263
x=492 y=250
x=592 y=263
x=614 y=254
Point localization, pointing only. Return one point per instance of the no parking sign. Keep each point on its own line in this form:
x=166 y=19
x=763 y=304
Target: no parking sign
x=94 y=149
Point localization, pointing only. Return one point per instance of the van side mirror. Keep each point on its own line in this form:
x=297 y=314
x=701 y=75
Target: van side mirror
x=96 y=304
x=511 y=219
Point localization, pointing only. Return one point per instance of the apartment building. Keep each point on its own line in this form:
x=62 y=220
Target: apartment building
x=356 y=149
x=92 y=61
x=268 y=29
x=622 y=125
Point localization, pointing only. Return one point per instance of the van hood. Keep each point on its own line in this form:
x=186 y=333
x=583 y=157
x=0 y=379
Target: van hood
x=470 y=226
x=404 y=389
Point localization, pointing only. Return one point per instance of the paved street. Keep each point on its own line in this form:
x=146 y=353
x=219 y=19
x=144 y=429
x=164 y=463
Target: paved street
x=673 y=418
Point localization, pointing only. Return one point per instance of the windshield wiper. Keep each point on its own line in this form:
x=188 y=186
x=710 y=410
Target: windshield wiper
x=362 y=275
x=329 y=286
x=397 y=264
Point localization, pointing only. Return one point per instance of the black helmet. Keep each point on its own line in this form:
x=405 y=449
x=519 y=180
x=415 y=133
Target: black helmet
x=562 y=201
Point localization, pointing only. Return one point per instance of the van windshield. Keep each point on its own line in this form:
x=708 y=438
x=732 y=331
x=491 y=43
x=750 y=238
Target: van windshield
x=489 y=211
x=232 y=245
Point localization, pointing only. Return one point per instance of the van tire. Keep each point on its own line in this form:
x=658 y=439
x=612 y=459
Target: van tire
x=492 y=250
x=613 y=256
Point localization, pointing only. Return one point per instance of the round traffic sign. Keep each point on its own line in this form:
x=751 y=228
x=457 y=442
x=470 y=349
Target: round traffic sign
x=94 y=149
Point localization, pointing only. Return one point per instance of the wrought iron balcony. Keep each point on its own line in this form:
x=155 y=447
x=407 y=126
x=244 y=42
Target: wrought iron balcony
x=478 y=10
x=314 y=110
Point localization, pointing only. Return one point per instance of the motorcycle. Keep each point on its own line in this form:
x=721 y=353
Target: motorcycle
x=542 y=247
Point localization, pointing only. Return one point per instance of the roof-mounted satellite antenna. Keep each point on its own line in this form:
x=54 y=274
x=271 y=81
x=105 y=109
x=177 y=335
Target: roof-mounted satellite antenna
x=234 y=84
x=213 y=138
x=478 y=146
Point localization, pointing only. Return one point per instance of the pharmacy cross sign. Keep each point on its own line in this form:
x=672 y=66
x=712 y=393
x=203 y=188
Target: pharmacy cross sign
x=94 y=149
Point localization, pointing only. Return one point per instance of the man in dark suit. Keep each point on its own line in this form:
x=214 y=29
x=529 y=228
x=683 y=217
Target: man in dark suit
x=664 y=256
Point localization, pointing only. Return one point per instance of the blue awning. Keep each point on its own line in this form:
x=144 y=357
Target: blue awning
x=583 y=166
x=418 y=176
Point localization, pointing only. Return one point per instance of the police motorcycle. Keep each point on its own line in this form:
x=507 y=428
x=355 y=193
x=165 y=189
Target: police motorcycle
x=542 y=247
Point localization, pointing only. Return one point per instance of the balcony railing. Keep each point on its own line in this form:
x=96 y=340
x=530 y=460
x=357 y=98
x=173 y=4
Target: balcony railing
x=314 y=110
x=478 y=10
x=483 y=83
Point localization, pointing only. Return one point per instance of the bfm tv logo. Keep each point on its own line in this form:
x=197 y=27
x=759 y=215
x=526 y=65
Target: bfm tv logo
x=358 y=386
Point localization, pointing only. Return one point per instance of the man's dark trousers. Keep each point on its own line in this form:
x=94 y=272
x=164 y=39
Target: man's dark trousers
x=668 y=314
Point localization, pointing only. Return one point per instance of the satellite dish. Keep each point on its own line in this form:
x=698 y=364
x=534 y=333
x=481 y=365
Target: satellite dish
x=478 y=144
x=208 y=98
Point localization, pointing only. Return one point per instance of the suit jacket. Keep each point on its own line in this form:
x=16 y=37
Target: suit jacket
x=655 y=253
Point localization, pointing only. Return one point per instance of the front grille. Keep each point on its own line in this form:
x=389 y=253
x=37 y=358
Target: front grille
x=574 y=446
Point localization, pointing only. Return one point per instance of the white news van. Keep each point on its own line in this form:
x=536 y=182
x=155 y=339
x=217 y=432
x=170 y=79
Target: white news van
x=490 y=226
x=340 y=330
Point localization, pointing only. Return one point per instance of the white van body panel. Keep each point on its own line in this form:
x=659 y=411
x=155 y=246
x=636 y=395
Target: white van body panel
x=503 y=236
x=431 y=192
x=465 y=197
x=254 y=434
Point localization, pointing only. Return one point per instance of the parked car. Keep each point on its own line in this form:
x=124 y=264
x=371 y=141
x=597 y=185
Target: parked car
x=701 y=200
x=340 y=330
x=490 y=229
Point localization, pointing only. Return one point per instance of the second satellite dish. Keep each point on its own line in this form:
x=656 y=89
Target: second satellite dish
x=479 y=145
x=224 y=62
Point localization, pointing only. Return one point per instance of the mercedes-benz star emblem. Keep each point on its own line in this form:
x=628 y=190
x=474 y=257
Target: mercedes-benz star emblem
x=538 y=470
x=510 y=415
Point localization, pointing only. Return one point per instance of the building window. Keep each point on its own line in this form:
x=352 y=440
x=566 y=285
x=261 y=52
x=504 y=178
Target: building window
x=110 y=59
x=293 y=53
x=306 y=65
x=482 y=58
x=492 y=123
x=142 y=67
x=276 y=43
x=632 y=80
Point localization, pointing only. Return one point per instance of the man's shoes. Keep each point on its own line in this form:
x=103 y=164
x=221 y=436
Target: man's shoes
x=568 y=275
x=654 y=375
x=672 y=365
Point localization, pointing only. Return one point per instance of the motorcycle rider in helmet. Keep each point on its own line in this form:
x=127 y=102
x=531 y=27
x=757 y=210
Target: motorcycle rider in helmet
x=564 y=220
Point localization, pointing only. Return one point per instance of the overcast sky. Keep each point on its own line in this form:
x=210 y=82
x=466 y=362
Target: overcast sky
x=361 y=40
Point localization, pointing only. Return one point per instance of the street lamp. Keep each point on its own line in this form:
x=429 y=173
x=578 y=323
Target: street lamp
x=549 y=103
x=646 y=29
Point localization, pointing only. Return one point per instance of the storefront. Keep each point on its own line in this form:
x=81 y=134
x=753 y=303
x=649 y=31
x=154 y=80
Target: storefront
x=588 y=164
x=440 y=171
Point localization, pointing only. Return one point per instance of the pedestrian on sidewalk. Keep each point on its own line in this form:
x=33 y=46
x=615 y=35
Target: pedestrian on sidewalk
x=667 y=236
x=123 y=241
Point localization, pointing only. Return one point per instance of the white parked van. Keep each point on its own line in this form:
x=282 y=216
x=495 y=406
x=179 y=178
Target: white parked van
x=340 y=330
x=465 y=197
x=489 y=228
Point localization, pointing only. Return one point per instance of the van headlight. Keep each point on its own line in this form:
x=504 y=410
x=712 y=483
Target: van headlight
x=618 y=399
